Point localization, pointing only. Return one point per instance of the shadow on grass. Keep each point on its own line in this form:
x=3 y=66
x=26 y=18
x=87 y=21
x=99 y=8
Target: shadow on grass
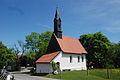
x=38 y=74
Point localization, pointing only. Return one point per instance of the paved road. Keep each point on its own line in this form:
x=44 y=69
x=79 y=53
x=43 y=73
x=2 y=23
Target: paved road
x=28 y=77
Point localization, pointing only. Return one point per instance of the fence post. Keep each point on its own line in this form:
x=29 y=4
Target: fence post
x=60 y=75
x=87 y=72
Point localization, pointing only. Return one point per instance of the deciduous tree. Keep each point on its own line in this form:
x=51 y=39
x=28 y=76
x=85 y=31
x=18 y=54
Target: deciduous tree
x=97 y=46
x=6 y=55
x=37 y=43
x=116 y=51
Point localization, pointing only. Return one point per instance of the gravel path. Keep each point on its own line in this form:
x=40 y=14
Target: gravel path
x=28 y=77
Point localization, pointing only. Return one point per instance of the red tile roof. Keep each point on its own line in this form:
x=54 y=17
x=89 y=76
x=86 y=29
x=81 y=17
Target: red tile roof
x=71 y=45
x=18 y=56
x=47 y=57
x=68 y=45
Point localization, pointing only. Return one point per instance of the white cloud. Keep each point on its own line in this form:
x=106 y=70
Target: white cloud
x=104 y=12
x=95 y=8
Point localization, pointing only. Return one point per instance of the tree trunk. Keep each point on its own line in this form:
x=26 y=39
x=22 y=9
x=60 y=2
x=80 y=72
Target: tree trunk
x=108 y=74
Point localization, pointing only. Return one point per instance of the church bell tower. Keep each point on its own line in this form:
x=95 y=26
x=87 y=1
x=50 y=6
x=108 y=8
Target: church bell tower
x=57 y=25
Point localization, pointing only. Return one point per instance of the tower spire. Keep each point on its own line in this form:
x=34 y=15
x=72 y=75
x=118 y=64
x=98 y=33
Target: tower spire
x=57 y=25
x=57 y=14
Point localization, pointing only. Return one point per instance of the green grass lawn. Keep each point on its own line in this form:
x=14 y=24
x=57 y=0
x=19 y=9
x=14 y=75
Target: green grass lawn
x=95 y=74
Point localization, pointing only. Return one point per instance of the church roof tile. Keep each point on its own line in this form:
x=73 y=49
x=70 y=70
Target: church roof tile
x=70 y=45
x=47 y=57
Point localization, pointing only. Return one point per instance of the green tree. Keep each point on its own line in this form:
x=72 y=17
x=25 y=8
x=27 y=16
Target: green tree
x=16 y=51
x=116 y=51
x=20 y=49
x=37 y=43
x=97 y=46
x=6 y=55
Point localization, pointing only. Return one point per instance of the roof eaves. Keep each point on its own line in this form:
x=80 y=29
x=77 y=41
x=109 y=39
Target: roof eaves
x=55 y=56
x=50 y=60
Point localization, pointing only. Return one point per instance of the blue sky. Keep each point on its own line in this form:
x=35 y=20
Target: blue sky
x=19 y=18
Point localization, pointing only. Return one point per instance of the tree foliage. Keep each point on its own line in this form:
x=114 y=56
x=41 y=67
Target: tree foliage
x=116 y=51
x=97 y=46
x=6 y=55
x=37 y=43
x=54 y=66
x=19 y=48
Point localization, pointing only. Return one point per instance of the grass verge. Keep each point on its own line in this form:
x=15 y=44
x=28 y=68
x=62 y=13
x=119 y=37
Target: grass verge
x=94 y=74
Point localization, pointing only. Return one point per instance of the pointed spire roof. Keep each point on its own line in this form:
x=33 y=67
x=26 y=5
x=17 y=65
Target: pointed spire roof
x=57 y=25
x=57 y=14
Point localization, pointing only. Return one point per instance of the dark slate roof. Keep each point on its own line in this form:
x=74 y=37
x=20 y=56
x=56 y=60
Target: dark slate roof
x=57 y=14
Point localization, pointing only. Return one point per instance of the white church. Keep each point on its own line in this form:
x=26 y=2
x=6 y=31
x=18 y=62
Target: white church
x=65 y=51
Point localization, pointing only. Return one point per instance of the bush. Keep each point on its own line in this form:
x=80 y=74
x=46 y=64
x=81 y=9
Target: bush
x=53 y=66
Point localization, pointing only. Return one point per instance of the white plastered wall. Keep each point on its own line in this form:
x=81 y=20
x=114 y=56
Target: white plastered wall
x=43 y=68
x=64 y=59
